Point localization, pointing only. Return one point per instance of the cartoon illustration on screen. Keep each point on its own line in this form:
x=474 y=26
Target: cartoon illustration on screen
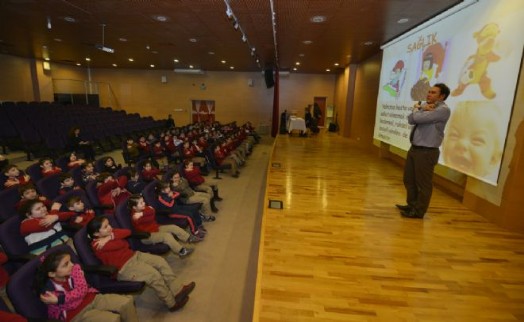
x=475 y=70
x=432 y=63
x=396 y=79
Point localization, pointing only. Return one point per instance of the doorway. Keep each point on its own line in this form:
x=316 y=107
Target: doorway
x=321 y=101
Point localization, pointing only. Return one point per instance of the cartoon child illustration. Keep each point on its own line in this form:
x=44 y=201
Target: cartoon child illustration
x=475 y=70
x=473 y=143
x=432 y=63
x=396 y=79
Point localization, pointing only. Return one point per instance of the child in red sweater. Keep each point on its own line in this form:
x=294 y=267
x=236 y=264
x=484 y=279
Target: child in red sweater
x=28 y=192
x=48 y=167
x=149 y=173
x=67 y=183
x=74 y=161
x=81 y=216
x=222 y=158
x=144 y=220
x=14 y=176
x=42 y=229
x=112 y=248
x=197 y=181
x=111 y=192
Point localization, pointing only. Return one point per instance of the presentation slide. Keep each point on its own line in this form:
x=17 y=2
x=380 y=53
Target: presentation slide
x=477 y=52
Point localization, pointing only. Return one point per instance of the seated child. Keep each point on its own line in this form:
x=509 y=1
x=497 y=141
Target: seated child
x=111 y=192
x=74 y=161
x=48 y=167
x=64 y=289
x=111 y=248
x=197 y=182
x=143 y=220
x=111 y=166
x=189 y=196
x=167 y=200
x=143 y=147
x=14 y=176
x=135 y=184
x=28 y=192
x=88 y=172
x=149 y=173
x=159 y=153
x=67 y=183
x=81 y=215
x=222 y=158
x=42 y=229
x=132 y=149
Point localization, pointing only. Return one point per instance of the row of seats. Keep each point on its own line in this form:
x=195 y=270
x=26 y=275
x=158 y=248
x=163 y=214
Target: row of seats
x=42 y=128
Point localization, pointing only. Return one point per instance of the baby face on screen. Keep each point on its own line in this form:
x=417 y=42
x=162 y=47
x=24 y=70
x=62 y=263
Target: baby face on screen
x=473 y=144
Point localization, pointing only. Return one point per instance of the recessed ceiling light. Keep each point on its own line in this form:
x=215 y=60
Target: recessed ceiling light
x=160 y=18
x=328 y=70
x=78 y=64
x=191 y=66
x=223 y=61
x=403 y=20
x=57 y=40
x=115 y=65
x=69 y=19
x=122 y=39
x=297 y=63
x=317 y=19
x=154 y=52
x=231 y=67
x=131 y=59
x=46 y=59
x=192 y=40
x=301 y=55
x=152 y=66
x=88 y=59
x=211 y=52
x=176 y=60
x=295 y=69
x=307 y=42
x=368 y=43
x=336 y=64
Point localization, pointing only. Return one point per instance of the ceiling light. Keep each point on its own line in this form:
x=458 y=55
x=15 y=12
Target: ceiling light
x=297 y=63
x=154 y=52
x=231 y=67
x=152 y=66
x=88 y=59
x=211 y=52
x=122 y=39
x=188 y=71
x=307 y=42
x=403 y=20
x=328 y=70
x=235 y=25
x=368 y=43
x=49 y=26
x=244 y=38
x=57 y=40
x=115 y=65
x=223 y=61
x=336 y=64
x=69 y=19
x=131 y=59
x=176 y=60
x=192 y=40
x=78 y=64
x=295 y=69
x=301 y=55
x=47 y=59
x=317 y=19
x=148 y=47
x=160 y=18
x=191 y=66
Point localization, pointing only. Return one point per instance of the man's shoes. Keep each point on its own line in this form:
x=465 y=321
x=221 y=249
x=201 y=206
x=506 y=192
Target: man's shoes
x=179 y=304
x=411 y=214
x=403 y=207
x=184 y=252
x=184 y=292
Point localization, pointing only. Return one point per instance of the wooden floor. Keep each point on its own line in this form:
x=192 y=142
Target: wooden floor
x=340 y=251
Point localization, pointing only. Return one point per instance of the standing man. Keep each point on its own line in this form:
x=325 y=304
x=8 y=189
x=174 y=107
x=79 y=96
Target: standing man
x=429 y=120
